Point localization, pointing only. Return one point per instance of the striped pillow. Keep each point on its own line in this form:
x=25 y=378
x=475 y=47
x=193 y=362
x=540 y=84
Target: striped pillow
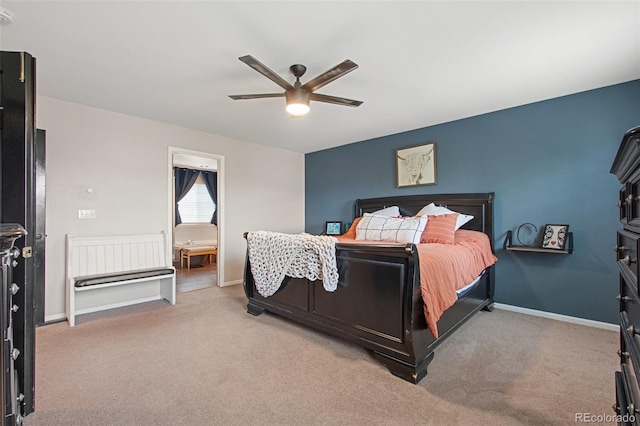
x=440 y=229
x=395 y=229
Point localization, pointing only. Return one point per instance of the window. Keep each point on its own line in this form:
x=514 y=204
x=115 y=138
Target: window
x=197 y=206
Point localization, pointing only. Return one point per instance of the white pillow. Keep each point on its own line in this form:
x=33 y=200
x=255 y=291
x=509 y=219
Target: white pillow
x=433 y=210
x=389 y=211
x=395 y=229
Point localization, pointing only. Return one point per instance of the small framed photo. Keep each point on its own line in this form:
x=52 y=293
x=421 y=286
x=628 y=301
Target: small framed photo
x=555 y=236
x=416 y=165
x=333 y=228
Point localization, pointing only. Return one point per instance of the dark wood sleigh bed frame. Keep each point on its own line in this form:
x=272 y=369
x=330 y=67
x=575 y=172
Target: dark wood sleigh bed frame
x=378 y=302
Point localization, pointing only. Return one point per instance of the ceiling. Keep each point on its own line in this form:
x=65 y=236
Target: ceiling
x=420 y=62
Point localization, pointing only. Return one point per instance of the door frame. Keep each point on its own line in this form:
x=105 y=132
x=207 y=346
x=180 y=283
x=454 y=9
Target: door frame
x=220 y=205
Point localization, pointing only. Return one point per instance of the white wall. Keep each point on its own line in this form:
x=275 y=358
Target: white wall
x=124 y=159
x=196 y=232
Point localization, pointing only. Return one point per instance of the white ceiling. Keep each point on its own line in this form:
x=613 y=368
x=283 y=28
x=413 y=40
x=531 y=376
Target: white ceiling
x=420 y=62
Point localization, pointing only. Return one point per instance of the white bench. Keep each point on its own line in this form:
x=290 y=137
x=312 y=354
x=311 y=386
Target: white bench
x=114 y=271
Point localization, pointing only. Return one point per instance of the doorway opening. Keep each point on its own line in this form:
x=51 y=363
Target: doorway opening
x=198 y=249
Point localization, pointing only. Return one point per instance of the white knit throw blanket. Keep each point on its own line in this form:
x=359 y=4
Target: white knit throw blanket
x=273 y=255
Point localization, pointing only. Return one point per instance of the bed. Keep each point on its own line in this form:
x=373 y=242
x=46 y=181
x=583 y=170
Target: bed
x=378 y=302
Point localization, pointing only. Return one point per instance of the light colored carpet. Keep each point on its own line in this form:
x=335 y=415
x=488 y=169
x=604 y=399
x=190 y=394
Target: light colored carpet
x=206 y=361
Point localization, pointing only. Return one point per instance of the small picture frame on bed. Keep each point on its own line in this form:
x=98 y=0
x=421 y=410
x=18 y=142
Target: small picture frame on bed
x=416 y=165
x=333 y=228
x=555 y=236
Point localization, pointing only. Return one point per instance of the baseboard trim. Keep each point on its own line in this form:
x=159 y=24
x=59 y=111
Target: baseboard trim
x=118 y=305
x=558 y=317
x=228 y=283
x=54 y=318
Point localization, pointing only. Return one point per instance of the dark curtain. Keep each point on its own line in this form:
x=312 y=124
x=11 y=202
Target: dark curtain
x=211 y=181
x=184 y=179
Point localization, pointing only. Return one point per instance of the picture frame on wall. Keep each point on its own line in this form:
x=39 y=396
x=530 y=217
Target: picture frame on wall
x=333 y=228
x=416 y=165
x=555 y=236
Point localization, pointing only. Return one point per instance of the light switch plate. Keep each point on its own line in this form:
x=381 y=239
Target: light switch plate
x=86 y=214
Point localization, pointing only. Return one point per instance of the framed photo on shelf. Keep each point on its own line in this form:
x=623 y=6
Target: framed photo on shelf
x=555 y=236
x=333 y=228
x=416 y=165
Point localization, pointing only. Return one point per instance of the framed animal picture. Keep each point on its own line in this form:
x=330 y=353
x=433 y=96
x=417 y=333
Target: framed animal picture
x=416 y=165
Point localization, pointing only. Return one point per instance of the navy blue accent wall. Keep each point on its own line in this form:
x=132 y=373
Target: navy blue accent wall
x=547 y=162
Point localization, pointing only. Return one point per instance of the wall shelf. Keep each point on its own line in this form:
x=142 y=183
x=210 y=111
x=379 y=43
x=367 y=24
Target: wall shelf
x=508 y=245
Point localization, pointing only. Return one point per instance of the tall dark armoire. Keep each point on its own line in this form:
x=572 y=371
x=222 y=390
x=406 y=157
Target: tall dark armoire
x=21 y=232
x=626 y=167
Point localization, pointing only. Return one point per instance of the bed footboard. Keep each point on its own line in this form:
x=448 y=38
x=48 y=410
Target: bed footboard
x=377 y=304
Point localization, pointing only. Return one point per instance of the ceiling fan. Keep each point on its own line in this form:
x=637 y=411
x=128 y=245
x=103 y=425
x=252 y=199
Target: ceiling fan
x=298 y=95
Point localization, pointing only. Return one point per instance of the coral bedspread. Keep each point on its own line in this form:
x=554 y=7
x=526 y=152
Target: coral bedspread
x=445 y=268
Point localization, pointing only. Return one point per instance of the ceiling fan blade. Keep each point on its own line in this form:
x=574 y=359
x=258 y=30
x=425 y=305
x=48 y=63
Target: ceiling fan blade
x=334 y=100
x=328 y=76
x=257 y=96
x=262 y=69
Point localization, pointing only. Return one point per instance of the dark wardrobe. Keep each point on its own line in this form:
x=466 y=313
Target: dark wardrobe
x=22 y=234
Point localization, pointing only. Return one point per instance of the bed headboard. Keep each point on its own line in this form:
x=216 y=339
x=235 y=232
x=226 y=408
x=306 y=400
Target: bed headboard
x=480 y=205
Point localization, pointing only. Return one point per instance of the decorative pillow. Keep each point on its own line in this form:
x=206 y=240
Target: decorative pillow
x=351 y=233
x=440 y=229
x=395 y=229
x=433 y=210
x=393 y=211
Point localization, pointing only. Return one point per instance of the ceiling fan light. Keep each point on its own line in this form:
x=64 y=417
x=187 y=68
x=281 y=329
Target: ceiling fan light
x=297 y=110
x=297 y=102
